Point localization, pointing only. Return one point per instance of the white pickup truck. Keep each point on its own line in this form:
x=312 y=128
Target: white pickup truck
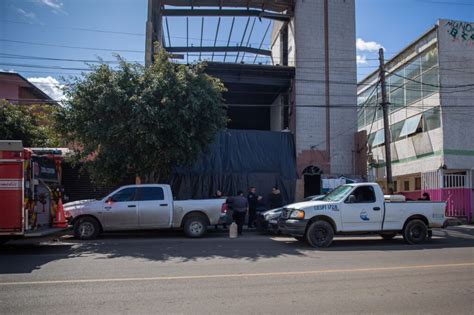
x=142 y=207
x=361 y=209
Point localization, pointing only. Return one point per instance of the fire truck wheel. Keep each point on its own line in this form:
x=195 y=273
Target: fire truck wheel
x=86 y=228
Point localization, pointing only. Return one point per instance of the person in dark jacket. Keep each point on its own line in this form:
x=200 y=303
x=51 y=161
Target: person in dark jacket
x=252 y=199
x=426 y=197
x=240 y=207
x=276 y=200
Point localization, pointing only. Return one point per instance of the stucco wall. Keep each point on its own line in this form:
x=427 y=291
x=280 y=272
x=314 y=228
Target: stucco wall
x=456 y=58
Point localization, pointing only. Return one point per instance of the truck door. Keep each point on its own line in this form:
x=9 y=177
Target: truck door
x=154 y=211
x=361 y=211
x=11 y=196
x=121 y=210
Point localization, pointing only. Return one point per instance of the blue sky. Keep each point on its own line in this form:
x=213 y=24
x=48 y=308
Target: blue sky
x=81 y=24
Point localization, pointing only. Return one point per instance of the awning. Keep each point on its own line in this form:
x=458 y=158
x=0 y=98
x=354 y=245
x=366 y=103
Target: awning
x=410 y=126
x=379 y=138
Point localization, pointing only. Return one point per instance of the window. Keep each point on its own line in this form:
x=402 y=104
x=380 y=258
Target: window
x=397 y=98
x=364 y=194
x=406 y=185
x=337 y=194
x=361 y=118
x=418 y=183
x=379 y=138
x=429 y=59
x=150 y=193
x=395 y=186
x=432 y=119
x=124 y=195
x=430 y=82
x=411 y=126
x=413 y=91
x=412 y=70
x=396 y=129
x=370 y=139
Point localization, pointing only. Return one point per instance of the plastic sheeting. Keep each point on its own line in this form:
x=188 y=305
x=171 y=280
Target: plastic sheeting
x=237 y=160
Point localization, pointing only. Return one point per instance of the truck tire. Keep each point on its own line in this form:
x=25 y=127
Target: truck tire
x=320 y=234
x=388 y=236
x=86 y=228
x=195 y=225
x=415 y=232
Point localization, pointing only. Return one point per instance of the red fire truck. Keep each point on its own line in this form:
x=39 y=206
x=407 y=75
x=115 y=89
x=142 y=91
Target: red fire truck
x=30 y=191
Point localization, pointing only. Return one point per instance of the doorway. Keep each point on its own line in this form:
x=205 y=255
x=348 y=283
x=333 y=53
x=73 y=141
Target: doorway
x=312 y=181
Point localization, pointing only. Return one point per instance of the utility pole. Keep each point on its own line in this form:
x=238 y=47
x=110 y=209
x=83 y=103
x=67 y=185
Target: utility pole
x=386 y=126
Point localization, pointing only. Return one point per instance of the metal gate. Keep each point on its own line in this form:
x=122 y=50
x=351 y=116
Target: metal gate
x=454 y=189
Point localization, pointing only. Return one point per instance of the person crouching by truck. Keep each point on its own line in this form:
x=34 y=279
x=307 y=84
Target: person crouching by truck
x=240 y=206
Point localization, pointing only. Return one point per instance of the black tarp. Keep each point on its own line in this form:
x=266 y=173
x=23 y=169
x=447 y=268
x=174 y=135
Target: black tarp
x=237 y=160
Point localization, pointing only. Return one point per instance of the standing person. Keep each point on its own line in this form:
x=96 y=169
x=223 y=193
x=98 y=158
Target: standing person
x=253 y=201
x=276 y=200
x=240 y=207
x=218 y=194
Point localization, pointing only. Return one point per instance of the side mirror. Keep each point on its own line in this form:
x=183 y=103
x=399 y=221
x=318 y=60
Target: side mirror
x=351 y=199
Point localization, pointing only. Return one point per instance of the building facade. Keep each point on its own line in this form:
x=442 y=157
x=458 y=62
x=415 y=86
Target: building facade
x=319 y=42
x=430 y=86
x=18 y=90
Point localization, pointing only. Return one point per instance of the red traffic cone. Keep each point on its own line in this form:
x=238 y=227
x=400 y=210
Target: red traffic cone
x=60 y=221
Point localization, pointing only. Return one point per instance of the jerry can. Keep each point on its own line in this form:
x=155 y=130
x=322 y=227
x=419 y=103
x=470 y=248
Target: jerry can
x=233 y=232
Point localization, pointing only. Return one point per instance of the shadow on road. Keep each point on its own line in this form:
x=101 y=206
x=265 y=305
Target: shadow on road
x=25 y=256
x=160 y=246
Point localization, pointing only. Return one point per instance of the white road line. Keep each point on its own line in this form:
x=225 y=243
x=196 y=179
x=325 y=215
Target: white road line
x=240 y=275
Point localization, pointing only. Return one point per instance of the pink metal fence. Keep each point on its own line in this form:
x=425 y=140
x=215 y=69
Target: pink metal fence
x=455 y=189
x=458 y=200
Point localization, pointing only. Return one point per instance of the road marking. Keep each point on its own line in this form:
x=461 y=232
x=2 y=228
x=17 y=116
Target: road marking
x=239 y=275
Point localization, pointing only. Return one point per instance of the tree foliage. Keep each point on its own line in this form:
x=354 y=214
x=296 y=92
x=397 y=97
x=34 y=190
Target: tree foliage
x=33 y=124
x=142 y=121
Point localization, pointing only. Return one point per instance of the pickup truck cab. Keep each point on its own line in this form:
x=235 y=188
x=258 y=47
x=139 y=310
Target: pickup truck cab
x=142 y=207
x=361 y=209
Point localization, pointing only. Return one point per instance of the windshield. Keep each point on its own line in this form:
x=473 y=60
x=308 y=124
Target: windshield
x=337 y=194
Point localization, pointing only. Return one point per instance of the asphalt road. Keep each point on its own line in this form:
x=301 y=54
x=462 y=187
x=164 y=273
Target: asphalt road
x=166 y=273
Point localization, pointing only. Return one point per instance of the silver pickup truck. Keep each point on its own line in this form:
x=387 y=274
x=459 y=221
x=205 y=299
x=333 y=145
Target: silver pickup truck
x=142 y=207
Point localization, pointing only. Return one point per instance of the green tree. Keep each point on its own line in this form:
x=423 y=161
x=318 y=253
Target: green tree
x=142 y=121
x=33 y=124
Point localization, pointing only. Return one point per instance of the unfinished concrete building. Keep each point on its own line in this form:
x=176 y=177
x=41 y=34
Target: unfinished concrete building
x=309 y=88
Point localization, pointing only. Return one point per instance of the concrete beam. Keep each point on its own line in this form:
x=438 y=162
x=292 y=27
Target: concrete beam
x=211 y=12
x=185 y=49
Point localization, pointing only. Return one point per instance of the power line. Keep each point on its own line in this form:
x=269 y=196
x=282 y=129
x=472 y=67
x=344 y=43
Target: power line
x=432 y=85
x=72 y=28
x=71 y=47
x=27 y=57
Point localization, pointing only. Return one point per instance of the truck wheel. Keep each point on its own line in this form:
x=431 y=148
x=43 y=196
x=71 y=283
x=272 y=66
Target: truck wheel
x=320 y=234
x=195 y=225
x=86 y=228
x=415 y=232
x=388 y=236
